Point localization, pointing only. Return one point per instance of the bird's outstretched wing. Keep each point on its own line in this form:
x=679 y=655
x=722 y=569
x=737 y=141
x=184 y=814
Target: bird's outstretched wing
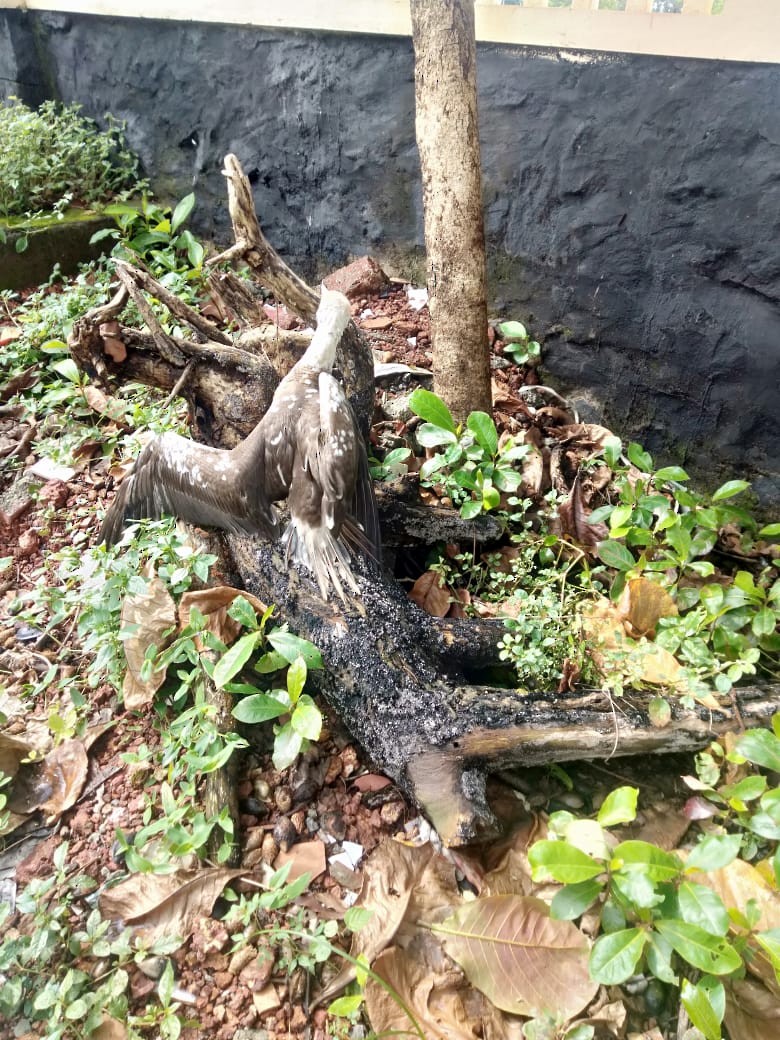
x=195 y=482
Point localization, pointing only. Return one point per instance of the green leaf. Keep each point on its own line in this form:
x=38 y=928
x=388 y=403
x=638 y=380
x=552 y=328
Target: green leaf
x=432 y=409
x=357 y=917
x=512 y=330
x=614 y=554
x=769 y=531
x=562 y=862
x=68 y=368
x=573 y=900
x=700 y=905
x=234 y=659
x=614 y=957
x=470 y=509
x=491 y=498
x=680 y=541
x=770 y=941
x=54 y=346
x=242 y=611
x=287 y=746
x=701 y=1001
x=291 y=646
x=296 y=678
x=620 y=515
x=657 y=864
x=259 y=707
x=270 y=662
x=21 y=243
x=764 y=622
x=704 y=951
x=343 y=1007
x=659 y=959
x=660 y=711
x=671 y=473
x=105 y=232
x=307 y=718
x=431 y=436
x=761 y=747
x=641 y=459
x=714 y=852
x=729 y=489
x=618 y=807
x=484 y=430
x=182 y=211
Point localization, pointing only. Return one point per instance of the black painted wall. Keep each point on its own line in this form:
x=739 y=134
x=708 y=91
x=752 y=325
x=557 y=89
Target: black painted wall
x=632 y=204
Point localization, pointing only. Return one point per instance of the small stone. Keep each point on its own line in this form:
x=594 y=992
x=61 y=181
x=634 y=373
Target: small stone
x=54 y=493
x=261 y=788
x=269 y=849
x=283 y=799
x=223 y=979
x=285 y=833
x=240 y=959
x=281 y=317
x=27 y=544
x=334 y=825
x=298 y=820
x=391 y=812
x=378 y=324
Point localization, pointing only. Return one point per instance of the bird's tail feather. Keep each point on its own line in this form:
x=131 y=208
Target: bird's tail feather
x=322 y=554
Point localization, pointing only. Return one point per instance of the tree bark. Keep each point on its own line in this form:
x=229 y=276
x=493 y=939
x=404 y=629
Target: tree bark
x=448 y=143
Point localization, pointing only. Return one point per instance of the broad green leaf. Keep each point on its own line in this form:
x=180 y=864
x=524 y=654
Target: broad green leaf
x=700 y=905
x=657 y=864
x=291 y=646
x=287 y=747
x=430 y=436
x=470 y=509
x=671 y=473
x=491 y=498
x=296 y=678
x=659 y=711
x=680 y=541
x=243 y=612
x=764 y=622
x=357 y=917
x=234 y=659
x=707 y=952
x=614 y=957
x=259 y=707
x=54 y=346
x=573 y=900
x=618 y=807
x=769 y=531
x=620 y=515
x=614 y=554
x=182 y=211
x=343 y=1007
x=68 y=368
x=641 y=459
x=659 y=959
x=513 y=330
x=562 y=862
x=432 y=409
x=484 y=430
x=770 y=941
x=520 y=958
x=714 y=852
x=306 y=719
x=270 y=662
x=729 y=489
x=701 y=1002
x=21 y=243
x=761 y=747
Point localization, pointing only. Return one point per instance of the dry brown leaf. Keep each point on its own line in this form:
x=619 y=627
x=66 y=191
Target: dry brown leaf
x=53 y=784
x=429 y=593
x=13 y=751
x=461 y=598
x=104 y=405
x=307 y=857
x=573 y=521
x=535 y=477
x=166 y=904
x=153 y=614
x=213 y=603
x=752 y=1012
x=612 y=650
x=511 y=873
x=443 y=1004
x=642 y=604
x=370 y=782
x=112 y=341
x=522 y=960
x=109 y=1029
x=389 y=876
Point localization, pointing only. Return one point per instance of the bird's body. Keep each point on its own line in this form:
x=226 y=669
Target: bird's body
x=306 y=448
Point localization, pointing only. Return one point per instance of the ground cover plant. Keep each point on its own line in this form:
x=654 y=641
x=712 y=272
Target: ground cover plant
x=54 y=157
x=599 y=545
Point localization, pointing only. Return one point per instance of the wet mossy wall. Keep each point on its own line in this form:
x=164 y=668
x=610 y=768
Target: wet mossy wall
x=632 y=204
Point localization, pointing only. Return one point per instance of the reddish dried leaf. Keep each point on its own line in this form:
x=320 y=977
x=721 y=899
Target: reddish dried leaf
x=461 y=600
x=642 y=604
x=307 y=857
x=521 y=959
x=429 y=593
x=371 y=782
x=52 y=785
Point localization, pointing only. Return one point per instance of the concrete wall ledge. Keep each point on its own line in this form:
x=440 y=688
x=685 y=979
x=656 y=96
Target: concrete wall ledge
x=746 y=30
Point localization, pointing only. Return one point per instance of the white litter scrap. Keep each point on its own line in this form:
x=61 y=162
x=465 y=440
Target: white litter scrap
x=418 y=298
x=350 y=855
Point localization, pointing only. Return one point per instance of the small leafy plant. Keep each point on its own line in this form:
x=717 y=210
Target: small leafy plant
x=518 y=344
x=475 y=467
x=54 y=156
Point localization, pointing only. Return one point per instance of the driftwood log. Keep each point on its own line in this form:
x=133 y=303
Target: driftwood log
x=409 y=688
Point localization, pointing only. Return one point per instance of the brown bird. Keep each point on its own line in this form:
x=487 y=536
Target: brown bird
x=307 y=448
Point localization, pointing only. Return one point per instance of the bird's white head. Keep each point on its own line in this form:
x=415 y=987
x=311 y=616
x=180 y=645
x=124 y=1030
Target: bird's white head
x=333 y=315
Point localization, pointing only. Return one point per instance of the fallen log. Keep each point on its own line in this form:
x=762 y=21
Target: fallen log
x=409 y=688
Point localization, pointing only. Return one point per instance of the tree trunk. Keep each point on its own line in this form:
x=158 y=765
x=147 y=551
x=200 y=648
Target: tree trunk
x=448 y=143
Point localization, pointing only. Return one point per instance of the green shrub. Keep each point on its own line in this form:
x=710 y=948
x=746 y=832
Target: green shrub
x=54 y=156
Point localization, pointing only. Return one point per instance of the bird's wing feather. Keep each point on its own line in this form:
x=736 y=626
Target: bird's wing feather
x=198 y=483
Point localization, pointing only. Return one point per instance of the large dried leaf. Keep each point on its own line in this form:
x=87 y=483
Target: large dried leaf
x=520 y=958
x=390 y=875
x=109 y=1029
x=53 y=784
x=429 y=593
x=511 y=874
x=13 y=751
x=443 y=1004
x=752 y=1012
x=105 y=405
x=213 y=603
x=305 y=857
x=614 y=652
x=642 y=605
x=573 y=520
x=153 y=614
x=166 y=904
